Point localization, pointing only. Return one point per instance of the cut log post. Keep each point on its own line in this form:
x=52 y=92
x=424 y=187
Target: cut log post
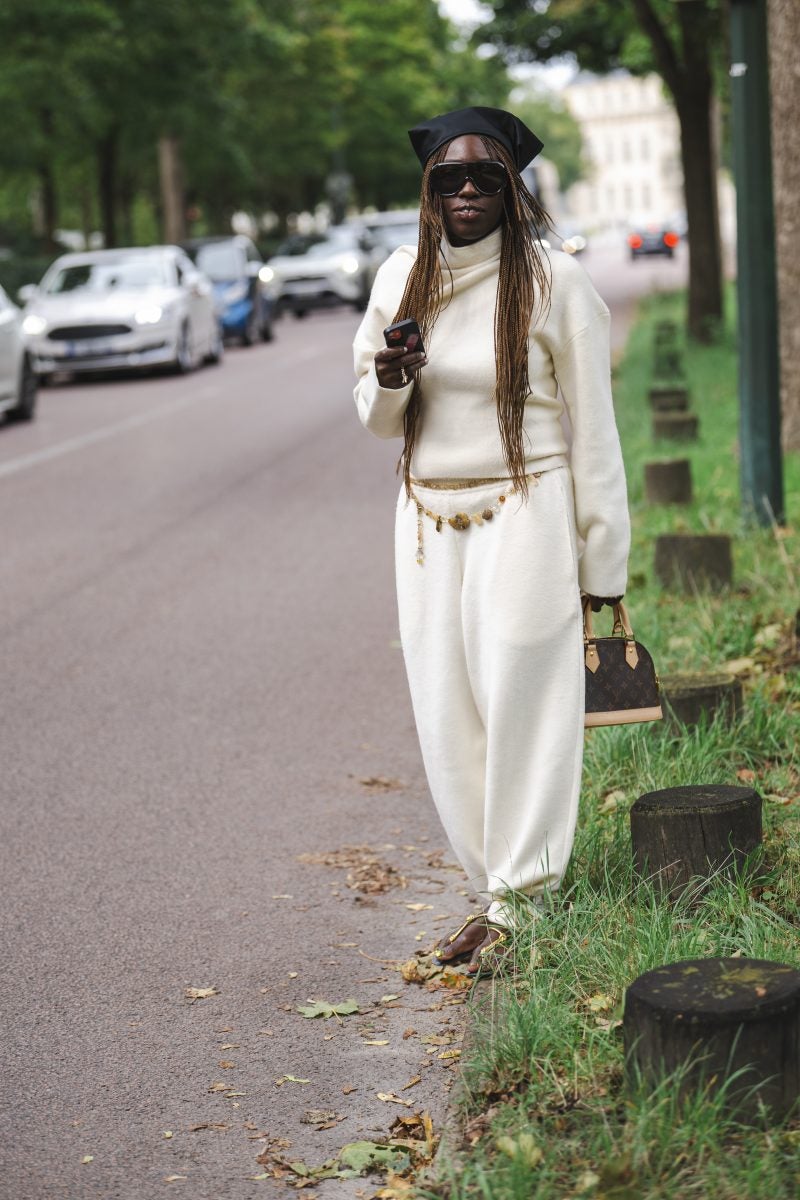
x=684 y=835
x=694 y=560
x=668 y=397
x=668 y=363
x=665 y=331
x=676 y=426
x=688 y=698
x=708 y=1019
x=668 y=482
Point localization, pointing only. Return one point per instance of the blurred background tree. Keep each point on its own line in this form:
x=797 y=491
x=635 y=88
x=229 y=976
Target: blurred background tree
x=684 y=41
x=123 y=116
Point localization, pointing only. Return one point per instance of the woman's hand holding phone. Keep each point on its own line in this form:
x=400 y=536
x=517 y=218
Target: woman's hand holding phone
x=404 y=355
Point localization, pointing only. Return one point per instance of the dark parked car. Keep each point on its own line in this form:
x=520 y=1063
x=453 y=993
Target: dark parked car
x=652 y=239
x=244 y=298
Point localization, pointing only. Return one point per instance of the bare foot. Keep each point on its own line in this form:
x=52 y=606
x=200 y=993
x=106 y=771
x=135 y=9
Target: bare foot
x=493 y=953
x=470 y=937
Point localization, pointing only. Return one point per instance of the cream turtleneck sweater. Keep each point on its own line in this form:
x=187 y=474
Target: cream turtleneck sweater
x=568 y=349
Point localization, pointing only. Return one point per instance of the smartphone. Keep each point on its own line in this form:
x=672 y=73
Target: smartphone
x=405 y=333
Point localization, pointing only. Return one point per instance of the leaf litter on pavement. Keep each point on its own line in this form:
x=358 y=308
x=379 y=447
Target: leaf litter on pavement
x=409 y=1147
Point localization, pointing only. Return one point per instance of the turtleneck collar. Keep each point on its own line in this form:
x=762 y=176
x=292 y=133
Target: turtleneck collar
x=460 y=257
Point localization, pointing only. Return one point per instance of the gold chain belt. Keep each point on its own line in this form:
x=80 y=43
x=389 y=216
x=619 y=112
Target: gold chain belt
x=459 y=520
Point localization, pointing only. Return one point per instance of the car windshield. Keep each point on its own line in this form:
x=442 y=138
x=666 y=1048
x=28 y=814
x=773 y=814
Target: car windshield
x=296 y=244
x=220 y=261
x=337 y=243
x=392 y=236
x=135 y=273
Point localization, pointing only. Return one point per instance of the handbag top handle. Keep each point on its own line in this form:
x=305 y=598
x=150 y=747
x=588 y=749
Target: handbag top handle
x=622 y=622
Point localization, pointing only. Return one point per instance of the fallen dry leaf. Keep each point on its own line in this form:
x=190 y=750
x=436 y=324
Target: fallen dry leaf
x=411 y=1083
x=87 y=1158
x=449 y=1054
x=168 y=1133
x=418 y=970
x=226 y=1065
x=218 y=1125
x=289 y=1079
x=418 y=907
x=219 y=1087
x=193 y=993
x=381 y=783
x=348 y=1088
x=746 y=775
x=390 y=1098
x=322 y=1008
x=174 y=1178
x=376 y=1042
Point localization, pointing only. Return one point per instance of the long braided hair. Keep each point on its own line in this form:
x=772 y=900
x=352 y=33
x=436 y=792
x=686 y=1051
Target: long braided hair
x=524 y=283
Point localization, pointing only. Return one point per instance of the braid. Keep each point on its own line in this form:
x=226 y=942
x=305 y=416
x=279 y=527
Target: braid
x=523 y=280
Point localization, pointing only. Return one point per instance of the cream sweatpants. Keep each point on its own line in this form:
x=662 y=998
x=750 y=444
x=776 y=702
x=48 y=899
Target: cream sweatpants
x=491 y=629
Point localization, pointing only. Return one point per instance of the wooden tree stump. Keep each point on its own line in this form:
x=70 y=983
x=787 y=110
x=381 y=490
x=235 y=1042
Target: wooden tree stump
x=668 y=397
x=668 y=363
x=676 y=426
x=720 y=1016
x=687 y=698
x=682 y=835
x=694 y=560
x=665 y=331
x=668 y=482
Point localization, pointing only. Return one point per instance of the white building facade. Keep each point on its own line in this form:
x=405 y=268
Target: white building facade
x=631 y=140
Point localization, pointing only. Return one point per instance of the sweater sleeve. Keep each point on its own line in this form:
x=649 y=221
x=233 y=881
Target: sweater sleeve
x=381 y=409
x=583 y=370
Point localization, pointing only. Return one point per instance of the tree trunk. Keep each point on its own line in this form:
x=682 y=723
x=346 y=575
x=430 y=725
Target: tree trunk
x=107 y=150
x=173 y=205
x=688 y=75
x=698 y=156
x=784 y=35
x=49 y=199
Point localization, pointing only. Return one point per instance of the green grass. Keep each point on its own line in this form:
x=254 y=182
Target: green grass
x=546 y=1112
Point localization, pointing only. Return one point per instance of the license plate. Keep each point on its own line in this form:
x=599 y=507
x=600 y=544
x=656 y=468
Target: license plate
x=304 y=287
x=89 y=346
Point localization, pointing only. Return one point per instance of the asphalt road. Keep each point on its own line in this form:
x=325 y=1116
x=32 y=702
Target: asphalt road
x=200 y=683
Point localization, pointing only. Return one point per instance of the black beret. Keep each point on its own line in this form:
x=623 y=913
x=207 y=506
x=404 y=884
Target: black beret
x=504 y=127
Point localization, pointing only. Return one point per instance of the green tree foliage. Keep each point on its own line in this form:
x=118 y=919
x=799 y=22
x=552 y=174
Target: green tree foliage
x=266 y=99
x=547 y=115
x=683 y=40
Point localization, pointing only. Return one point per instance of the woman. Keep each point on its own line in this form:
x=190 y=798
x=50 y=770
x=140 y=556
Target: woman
x=501 y=522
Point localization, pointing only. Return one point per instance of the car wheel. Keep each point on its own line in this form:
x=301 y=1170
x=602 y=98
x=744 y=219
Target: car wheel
x=28 y=384
x=251 y=330
x=267 y=332
x=634 y=256
x=217 y=350
x=183 y=352
x=300 y=313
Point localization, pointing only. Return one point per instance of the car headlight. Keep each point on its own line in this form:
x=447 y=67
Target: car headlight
x=150 y=315
x=33 y=324
x=266 y=274
x=349 y=264
x=236 y=292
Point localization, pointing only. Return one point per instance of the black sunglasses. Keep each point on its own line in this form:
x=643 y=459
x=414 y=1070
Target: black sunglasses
x=447 y=179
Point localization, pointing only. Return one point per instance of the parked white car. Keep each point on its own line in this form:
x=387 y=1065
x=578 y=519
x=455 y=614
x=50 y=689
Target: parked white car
x=131 y=308
x=17 y=377
x=339 y=268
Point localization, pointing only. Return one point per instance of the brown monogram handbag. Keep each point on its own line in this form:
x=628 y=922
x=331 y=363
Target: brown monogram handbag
x=621 y=681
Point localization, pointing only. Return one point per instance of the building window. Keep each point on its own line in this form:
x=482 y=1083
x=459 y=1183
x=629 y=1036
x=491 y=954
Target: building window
x=627 y=197
x=646 y=195
x=611 y=198
x=645 y=149
x=626 y=150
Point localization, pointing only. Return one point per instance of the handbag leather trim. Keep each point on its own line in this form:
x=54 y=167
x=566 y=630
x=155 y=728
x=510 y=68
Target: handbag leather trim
x=627 y=716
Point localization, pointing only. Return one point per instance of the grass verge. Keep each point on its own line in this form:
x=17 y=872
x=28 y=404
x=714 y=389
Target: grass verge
x=545 y=1113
